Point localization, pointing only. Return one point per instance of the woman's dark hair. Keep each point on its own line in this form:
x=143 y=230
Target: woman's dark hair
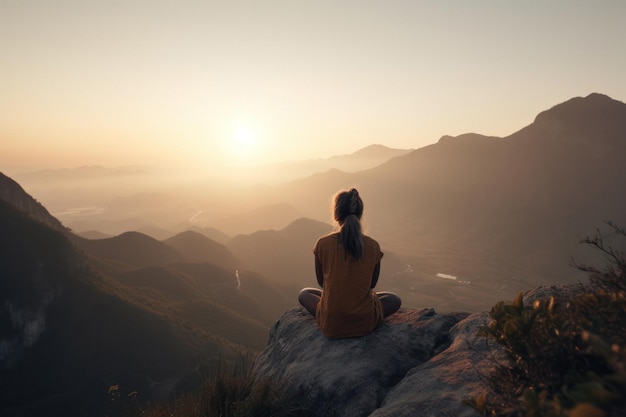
x=347 y=210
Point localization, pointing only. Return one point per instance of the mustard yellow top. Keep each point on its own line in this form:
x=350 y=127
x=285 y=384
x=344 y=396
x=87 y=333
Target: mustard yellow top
x=349 y=307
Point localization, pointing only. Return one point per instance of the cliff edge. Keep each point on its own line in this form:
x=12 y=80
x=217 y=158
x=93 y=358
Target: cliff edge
x=417 y=363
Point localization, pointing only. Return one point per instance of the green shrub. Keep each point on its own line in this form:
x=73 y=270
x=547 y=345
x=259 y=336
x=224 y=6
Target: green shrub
x=566 y=355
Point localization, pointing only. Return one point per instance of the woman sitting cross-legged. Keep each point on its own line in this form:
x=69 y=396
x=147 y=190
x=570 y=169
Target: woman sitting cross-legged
x=347 y=266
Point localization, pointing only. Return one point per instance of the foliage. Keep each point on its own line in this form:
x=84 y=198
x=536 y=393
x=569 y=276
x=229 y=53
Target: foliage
x=612 y=277
x=233 y=393
x=567 y=354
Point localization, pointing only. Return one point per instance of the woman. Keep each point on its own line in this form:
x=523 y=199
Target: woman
x=347 y=265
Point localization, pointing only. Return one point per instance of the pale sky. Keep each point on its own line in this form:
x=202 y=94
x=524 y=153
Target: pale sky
x=211 y=84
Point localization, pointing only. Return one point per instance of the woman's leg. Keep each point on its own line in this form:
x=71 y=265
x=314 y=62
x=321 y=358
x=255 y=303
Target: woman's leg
x=309 y=297
x=390 y=301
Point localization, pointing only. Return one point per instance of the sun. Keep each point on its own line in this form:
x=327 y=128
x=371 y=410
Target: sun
x=241 y=144
x=244 y=138
x=244 y=144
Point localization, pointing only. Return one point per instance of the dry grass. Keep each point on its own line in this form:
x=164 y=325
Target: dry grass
x=229 y=393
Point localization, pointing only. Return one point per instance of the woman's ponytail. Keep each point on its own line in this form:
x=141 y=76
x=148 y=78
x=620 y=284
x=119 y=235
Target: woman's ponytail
x=348 y=211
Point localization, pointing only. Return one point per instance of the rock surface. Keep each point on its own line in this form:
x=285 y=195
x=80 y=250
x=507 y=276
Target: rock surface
x=417 y=363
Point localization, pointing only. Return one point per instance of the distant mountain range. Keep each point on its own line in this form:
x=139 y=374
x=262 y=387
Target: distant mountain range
x=116 y=200
x=491 y=215
x=78 y=316
x=505 y=213
x=66 y=337
x=285 y=256
x=94 y=172
x=360 y=160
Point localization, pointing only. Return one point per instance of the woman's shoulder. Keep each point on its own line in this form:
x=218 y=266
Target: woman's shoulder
x=371 y=243
x=332 y=235
x=327 y=239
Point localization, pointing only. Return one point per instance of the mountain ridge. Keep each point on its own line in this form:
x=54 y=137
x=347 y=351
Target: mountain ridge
x=14 y=194
x=503 y=213
x=196 y=246
x=485 y=207
x=134 y=248
x=79 y=316
x=56 y=318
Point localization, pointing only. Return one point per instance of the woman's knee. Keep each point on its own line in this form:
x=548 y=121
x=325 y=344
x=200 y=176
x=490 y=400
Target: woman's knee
x=309 y=297
x=391 y=302
x=311 y=290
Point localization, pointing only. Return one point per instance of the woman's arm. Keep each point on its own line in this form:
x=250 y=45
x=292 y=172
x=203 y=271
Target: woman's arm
x=319 y=273
x=375 y=275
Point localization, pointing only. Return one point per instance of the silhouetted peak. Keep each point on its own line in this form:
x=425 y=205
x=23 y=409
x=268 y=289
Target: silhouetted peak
x=594 y=118
x=190 y=235
x=304 y=224
x=378 y=151
x=599 y=96
x=200 y=248
x=465 y=137
x=593 y=105
x=134 y=236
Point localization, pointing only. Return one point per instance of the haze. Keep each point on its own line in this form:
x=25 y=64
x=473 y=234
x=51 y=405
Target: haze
x=212 y=87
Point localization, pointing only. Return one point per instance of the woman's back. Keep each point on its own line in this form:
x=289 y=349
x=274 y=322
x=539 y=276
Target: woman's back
x=349 y=306
x=347 y=265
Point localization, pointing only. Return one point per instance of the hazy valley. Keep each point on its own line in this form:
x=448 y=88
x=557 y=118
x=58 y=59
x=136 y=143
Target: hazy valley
x=500 y=213
x=167 y=270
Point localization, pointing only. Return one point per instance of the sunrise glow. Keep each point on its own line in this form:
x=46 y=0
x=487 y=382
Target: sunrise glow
x=206 y=84
x=245 y=143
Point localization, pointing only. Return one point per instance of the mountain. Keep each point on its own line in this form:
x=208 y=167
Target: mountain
x=78 y=316
x=93 y=234
x=284 y=256
x=595 y=120
x=362 y=159
x=265 y=216
x=77 y=195
x=186 y=274
x=503 y=214
x=14 y=194
x=64 y=338
x=549 y=183
x=365 y=158
x=155 y=201
x=499 y=214
x=235 y=308
x=132 y=248
x=210 y=232
x=199 y=248
x=202 y=286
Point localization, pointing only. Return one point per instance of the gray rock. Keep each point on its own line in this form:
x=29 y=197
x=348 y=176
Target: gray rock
x=438 y=386
x=416 y=363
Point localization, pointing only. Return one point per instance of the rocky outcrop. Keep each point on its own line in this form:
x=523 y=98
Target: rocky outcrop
x=417 y=363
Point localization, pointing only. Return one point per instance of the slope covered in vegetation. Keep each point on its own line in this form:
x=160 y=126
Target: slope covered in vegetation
x=567 y=355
